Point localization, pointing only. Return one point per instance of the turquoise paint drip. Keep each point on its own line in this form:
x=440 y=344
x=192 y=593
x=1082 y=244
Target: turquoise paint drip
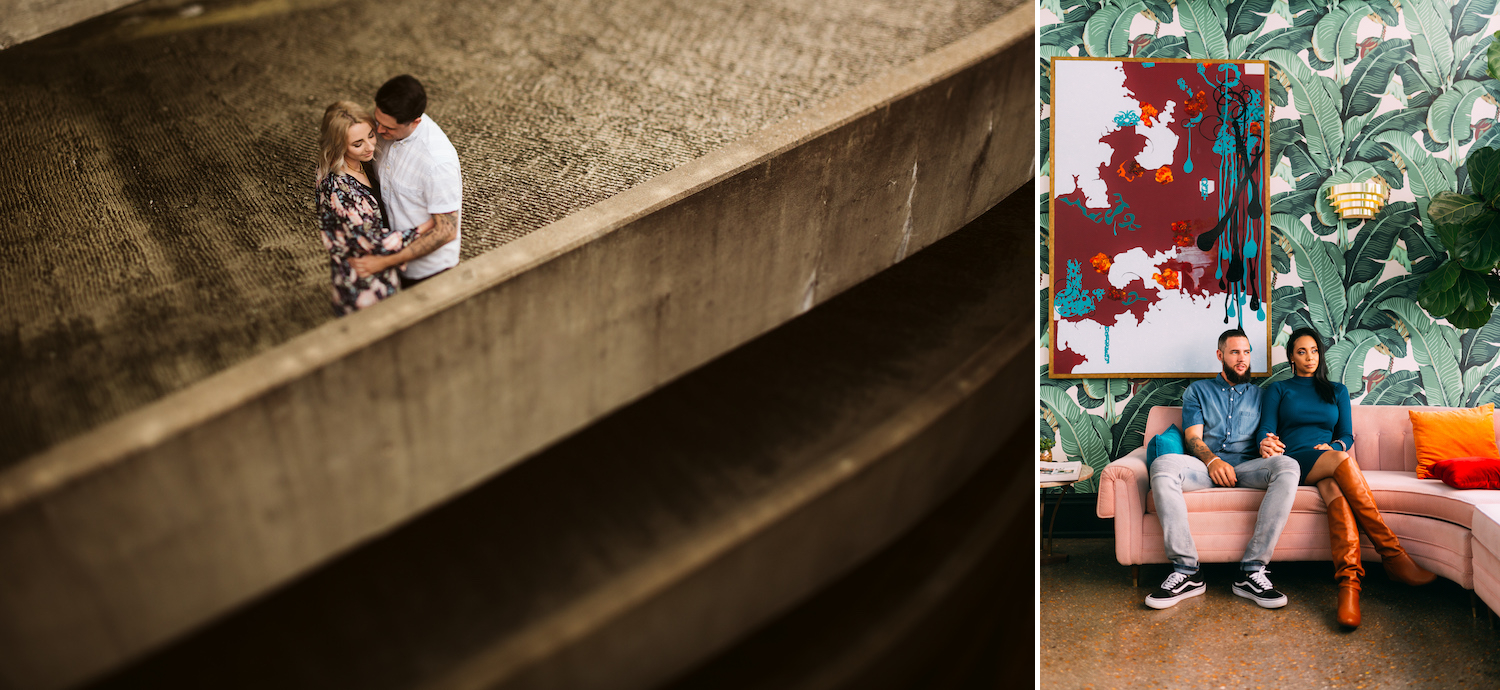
x=1106 y=344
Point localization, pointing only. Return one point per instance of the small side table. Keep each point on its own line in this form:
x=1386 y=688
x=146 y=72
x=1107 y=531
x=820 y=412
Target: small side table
x=1047 y=555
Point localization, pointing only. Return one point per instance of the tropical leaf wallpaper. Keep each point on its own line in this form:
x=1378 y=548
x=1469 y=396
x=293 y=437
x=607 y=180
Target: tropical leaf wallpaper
x=1390 y=89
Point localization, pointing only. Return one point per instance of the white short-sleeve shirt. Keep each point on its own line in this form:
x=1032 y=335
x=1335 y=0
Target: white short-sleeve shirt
x=419 y=177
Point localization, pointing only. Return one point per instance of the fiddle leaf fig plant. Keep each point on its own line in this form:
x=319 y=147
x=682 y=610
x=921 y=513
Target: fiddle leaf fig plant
x=1465 y=288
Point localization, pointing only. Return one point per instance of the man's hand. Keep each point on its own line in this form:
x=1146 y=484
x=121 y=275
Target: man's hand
x=1221 y=472
x=366 y=266
x=1271 y=445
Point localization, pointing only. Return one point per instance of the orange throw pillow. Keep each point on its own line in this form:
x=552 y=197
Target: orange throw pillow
x=1444 y=434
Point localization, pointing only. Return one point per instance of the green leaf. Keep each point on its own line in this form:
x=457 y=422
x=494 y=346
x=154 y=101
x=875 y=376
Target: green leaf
x=1475 y=64
x=1428 y=175
x=1129 y=432
x=1162 y=9
x=1291 y=38
x=1329 y=307
x=1346 y=359
x=1107 y=33
x=1245 y=16
x=1448 y=118
x=1393 y=342
x=1079 y=438
x=1065 y=35
x=1474 y=294
x=1372 y=245
x=1285 y=299
x=1479 y=346
x=1471 y=319
x=1437 y=295
x=1301 y=162
x=1317 y=99
x=1428 y=24
x=1333 y=38
x=1372 y=75
x=1492 y=57
x=1279 y=372
x=1165 y=47
x=1471 y=16
x=1479 y=244
x=1435 y=354
x=1484 y=171
x=1366 y=313
x=1397 y=388
x=1284 y=133
x=1281 y=262
x=1407 y=121
x=1205 y=28
x=1488 y=390
x=1386 y=11
x=1448 y=208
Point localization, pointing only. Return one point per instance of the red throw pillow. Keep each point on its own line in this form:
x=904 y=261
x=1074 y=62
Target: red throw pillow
x=1468 y=473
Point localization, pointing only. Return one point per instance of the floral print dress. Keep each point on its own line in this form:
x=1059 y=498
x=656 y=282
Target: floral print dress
x=353 y=226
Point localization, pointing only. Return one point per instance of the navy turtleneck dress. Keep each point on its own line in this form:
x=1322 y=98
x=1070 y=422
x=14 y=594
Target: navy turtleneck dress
x=1292 y=410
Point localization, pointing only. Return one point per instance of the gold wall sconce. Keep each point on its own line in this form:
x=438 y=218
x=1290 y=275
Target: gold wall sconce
x=1361 y=200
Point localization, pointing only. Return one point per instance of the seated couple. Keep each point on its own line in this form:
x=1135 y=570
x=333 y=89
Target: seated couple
x=1295 y=431
x=388 y=209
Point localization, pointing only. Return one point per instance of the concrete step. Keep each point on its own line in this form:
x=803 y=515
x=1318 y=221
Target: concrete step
x=660 y=535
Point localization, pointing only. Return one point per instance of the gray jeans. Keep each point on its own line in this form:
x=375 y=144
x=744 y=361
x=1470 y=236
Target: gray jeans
x=1173 y=473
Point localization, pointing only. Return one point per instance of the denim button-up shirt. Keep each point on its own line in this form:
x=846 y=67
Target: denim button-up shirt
x=1229 y=415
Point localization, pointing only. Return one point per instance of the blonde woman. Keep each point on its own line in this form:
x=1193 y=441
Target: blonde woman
x=349 y=209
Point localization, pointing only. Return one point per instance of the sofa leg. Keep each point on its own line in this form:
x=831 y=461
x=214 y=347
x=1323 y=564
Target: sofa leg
x=1135 y=576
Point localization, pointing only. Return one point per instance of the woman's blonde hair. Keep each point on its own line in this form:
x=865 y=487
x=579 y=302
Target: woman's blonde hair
x=335 y=139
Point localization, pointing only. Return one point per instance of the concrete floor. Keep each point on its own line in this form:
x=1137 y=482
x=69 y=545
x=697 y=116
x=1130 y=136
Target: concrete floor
x=1097 y=633
x=156 y=213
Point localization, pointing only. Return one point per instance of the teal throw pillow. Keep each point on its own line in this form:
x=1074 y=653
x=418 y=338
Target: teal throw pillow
x=1169 y=441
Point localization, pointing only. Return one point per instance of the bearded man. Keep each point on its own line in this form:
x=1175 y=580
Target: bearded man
x=1219 y=418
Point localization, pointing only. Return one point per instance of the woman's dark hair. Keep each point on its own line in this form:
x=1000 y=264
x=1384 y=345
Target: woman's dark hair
x=402 y=98
x=1321 y=384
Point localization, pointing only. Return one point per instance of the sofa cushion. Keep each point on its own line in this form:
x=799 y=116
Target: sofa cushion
x=1443 y=434
x=1468 y=473
x=1402 y=492
x=1169 y=441
x=1241 y=500
x=1487 y=527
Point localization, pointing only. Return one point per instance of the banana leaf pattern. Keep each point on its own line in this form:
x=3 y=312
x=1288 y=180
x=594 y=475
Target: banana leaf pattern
x=1362 y=89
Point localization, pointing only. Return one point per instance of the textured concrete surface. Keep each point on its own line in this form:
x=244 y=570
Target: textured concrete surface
x=156 y=220
x=1097 y=633
x=661 y=533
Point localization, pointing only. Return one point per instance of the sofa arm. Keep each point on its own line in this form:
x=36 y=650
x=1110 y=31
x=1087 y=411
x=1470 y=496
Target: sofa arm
x=1123 y=487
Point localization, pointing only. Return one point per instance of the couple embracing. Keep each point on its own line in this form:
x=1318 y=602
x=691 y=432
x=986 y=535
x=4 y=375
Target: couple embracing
x=1295 y=432
x=389 y=196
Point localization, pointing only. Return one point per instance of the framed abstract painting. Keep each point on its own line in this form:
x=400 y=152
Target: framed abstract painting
x=1159 y=215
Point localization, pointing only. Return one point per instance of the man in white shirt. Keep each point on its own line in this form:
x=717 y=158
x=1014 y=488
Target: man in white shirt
x=419 y=179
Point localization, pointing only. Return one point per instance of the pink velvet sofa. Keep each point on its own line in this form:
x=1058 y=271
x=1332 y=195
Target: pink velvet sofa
x=1433 y=520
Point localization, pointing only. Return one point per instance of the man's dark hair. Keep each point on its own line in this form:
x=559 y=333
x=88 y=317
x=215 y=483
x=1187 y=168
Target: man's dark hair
x=402 y=98
x=1223 y=337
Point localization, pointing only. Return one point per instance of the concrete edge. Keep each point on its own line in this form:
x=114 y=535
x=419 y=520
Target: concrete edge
x=512 y=657
x=135 y=431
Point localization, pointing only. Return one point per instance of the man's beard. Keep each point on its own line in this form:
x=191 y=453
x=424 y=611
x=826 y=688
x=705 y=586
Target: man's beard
x=1236 y=379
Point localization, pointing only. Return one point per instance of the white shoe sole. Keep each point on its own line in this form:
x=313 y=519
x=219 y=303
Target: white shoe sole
x=1264 y=603
x=1160 y=604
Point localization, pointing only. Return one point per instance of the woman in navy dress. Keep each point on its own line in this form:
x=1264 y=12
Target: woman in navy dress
x=1307 y=417
x=349 y=211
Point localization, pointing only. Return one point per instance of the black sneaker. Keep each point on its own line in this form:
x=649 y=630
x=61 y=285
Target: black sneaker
x=1175 y=588
x=1257 y=588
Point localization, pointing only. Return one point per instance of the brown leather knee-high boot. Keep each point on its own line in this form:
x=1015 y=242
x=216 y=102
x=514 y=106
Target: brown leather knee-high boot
x=1398 y=565
x=1343 y=537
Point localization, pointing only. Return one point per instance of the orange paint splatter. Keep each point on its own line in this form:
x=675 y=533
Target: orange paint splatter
x=1196 y=105
x=1164 y=174
x=1101 y=262
x=1255 y=127
x=1130 y=170
x=1167 y=279
x=1182 y=233
x=1148 y=112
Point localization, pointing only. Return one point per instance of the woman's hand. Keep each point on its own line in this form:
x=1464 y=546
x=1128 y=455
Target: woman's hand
x=426 y=226
x=1322 y=446
x=1271 y=445
x=366 y=266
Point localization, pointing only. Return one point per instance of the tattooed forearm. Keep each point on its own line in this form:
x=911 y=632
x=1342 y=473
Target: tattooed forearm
x=443 y=232
x=1200 y=450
